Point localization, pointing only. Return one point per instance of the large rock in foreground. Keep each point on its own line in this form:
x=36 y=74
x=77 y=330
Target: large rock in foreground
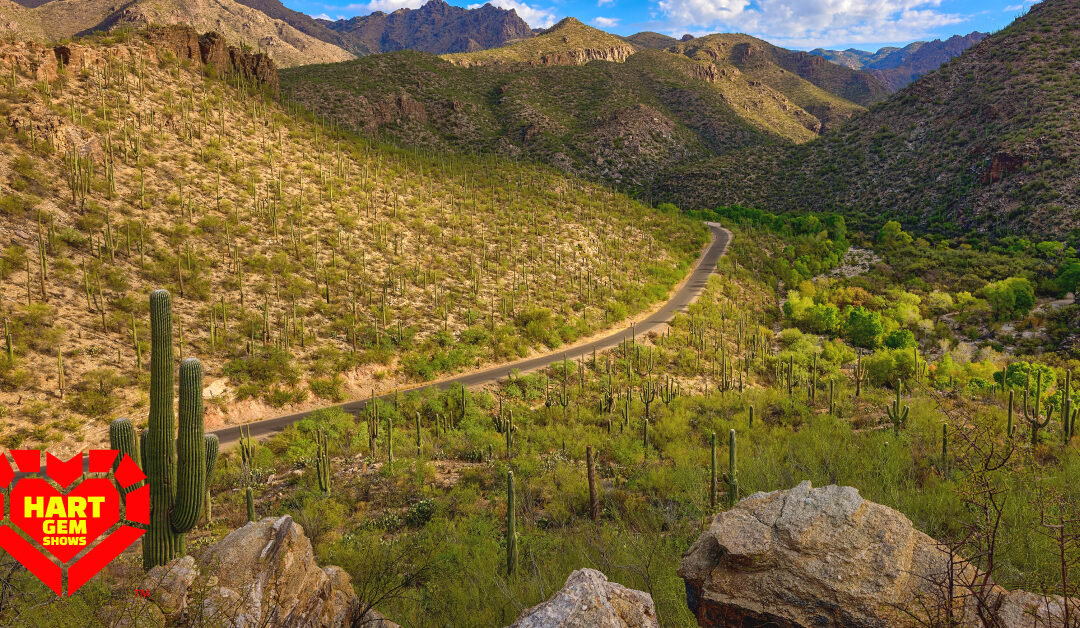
x=263 y=574
x=588 y=600
x=827 y=557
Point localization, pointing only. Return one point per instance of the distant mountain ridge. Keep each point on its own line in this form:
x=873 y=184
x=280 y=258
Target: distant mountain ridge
x=897 y=67
x=436 y=27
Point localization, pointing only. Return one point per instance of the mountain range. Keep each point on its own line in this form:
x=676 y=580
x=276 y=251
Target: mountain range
x=590 y=103
x=294 y=38
x=897 y=67
x=985 y=140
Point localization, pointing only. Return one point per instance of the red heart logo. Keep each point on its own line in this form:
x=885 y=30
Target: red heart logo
x=65 y=523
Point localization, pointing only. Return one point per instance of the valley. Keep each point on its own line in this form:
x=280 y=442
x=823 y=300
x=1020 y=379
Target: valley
x=429 y=318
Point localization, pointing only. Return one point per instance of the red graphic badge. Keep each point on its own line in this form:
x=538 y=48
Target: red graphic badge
x=66 y=522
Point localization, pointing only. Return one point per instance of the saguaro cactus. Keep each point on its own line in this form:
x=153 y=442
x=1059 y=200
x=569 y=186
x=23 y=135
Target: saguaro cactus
x=322 y=462
x=1033 y=417
x=897 y=415
x=594 y=497
x=859 y=374
x=511 y=525
x=732 y=479
x=176 y=469
x=712 y=472
x=1068 y=418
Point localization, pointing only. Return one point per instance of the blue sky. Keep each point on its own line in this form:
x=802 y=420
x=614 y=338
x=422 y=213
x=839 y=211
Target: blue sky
x=800 y=24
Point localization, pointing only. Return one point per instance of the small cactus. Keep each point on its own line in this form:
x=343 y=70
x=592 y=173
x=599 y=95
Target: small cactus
x=896 y=414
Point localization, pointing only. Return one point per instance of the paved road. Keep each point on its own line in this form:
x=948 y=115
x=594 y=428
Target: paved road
x=690 y=290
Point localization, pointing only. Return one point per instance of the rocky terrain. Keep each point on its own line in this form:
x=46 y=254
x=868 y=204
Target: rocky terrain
x=794 y=558
x=261 y=574
x=240 y=25
x=825 y=556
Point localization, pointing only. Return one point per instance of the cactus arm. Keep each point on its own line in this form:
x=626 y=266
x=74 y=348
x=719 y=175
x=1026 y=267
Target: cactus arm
x=123 y=439
x=191 y=450
x=211 y=444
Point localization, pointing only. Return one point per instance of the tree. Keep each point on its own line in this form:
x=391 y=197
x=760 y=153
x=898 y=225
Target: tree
x=900 y=339
x=823 y=319
x=1010 y=298
x=892 y=236
x=1068 y=279
x=863 y=327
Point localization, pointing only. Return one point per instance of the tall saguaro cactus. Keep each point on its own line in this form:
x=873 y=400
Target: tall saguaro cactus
x=732 y=478
x=511 y=525
x=322 y=454
x=177 y=469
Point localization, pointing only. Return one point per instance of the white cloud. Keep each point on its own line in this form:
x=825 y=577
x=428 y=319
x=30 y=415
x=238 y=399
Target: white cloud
x=537 y=17
x=601 y=3
x=323 y=16
x=386 y=6
x=808 y=23
x=605 y=22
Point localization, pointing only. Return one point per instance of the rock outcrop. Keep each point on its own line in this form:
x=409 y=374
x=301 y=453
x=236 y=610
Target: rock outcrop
x=588 y=600
x=211 y=49
x=825 y=556
x=263 y=574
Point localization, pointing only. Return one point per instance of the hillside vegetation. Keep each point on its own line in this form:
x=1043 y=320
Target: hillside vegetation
x=786 y=70
x=618 y=460
x=987 y=143
x=624 y=119
x=567 y=43
x=307 y=265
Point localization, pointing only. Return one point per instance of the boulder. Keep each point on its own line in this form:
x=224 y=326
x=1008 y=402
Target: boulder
x=825 y=556
x=263 y=574
x=588 y=600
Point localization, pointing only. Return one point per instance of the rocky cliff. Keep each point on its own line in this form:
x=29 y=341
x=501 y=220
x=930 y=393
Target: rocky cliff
x=436 y=27
x=211 y=49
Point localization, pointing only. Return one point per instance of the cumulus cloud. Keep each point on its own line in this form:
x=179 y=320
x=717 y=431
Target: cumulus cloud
x=605 y=22
x=807 y=23
x=537 y=17
x=386 y=6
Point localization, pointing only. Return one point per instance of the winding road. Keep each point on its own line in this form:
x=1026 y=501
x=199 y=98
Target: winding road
x=688 y=292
